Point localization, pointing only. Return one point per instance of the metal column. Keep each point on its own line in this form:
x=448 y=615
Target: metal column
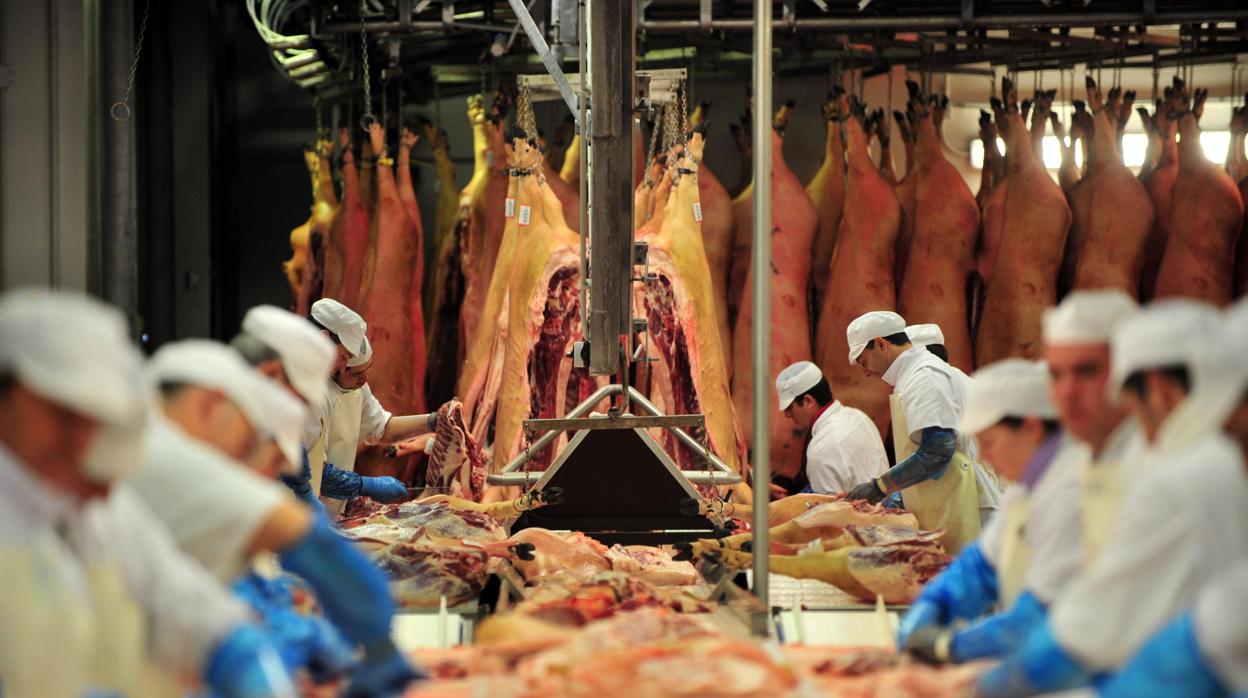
x=610 y=132
x=762 y=303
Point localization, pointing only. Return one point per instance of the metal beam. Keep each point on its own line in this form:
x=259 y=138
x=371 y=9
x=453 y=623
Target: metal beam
x=612 y=422
x=921 y=23
x=548 y=57
x=612 y=89
x=762 y=304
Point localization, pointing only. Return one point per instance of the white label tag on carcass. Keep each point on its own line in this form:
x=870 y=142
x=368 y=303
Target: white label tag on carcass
x=525 y=214
x=510 y=207
x=697 y=211
x=489 y=159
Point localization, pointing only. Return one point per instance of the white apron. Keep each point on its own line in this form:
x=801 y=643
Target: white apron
x=343 y=440
x=951 y=501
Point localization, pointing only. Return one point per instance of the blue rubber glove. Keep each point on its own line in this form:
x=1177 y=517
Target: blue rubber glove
x=1000 y=634
x=965 y=590
x=301 y=485
x=339 y=484
x=383 y=489
x=1170 y=664
x=302 y=641
x=245 y=665
x=353 y=592
x=383 y=673
x=1041 y=665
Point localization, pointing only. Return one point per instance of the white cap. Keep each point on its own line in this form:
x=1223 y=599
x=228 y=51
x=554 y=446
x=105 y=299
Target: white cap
x=347 y=324
x=1087 y=317
x=925 y=334
x=1219 y=369
x=74 y=350
x=215 y=366
x=1008 y=388
x=795 y=380
x=284 y=418
x=866 y=327
x=307 y=355
x=1160 y=334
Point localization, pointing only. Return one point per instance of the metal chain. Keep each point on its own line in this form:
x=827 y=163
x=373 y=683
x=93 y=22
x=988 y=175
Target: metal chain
x=320 y=122
x=684 y=114
x=524 y=113
x=671 y=124
x=120 y=111
x=368 y=119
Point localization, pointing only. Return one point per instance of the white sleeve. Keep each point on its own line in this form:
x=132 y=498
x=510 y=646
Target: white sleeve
x=1221 y=630
x=318 y=419
x=373 y=419
x=188 y=612
x=930 y=402
x=212 y=506
x=1111 y=608
x=824 y=465
x=992 y=536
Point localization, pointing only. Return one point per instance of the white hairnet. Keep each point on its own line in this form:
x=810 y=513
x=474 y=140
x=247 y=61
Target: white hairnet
x=214 y=366
x=1008 y=388
x=307 y=355
x=868 y=326
x=1087 y=317
x=344 y=322
x=284 y=418
x=1159 y=335
x=795 y=380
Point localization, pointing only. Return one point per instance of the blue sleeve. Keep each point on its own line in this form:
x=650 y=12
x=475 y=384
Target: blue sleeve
x=936 y=449
x=965 y=590
x=354 y=593
x=301 y=485
x=340 y=484
x=1000 y=634
x=1041 y=665
x=1170 y=664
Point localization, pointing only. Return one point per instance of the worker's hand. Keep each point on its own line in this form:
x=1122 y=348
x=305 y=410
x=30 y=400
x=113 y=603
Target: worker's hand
x=310 y=641
x=929 y=644
x=245 y=665
x=868 y=491
x=383 y=489
x=922 y=614
x=383 y=673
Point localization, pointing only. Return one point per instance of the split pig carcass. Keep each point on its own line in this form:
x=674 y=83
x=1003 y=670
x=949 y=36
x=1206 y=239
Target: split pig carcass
x=793 y=223
x=306 y=270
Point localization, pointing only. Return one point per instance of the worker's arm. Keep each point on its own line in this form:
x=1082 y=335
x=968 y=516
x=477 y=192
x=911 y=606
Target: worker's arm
x=409 y=426
x=344 y=484
x=356 y=598
x=1170 y=664
x=988 y=637
x=301 y=484
x=194 y=626
x=936 y=449
x=965 y=590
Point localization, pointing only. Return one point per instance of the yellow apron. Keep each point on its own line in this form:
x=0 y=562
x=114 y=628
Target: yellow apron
x=951 y=501
x=1100 y=502
x=344 y=440
x=63 y=638
x=1015 y=553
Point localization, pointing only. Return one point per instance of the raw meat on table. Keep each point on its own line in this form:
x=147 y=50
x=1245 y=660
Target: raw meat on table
x=456 y=462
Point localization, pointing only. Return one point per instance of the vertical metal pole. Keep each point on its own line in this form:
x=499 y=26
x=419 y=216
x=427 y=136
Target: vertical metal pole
x=612 y=93
x=762 y=302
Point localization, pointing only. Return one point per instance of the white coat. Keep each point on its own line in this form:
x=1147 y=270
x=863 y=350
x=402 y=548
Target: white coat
x=213 y=506
x=845 y=449
x=1051 y=535
x=1221 y=627
x=1182 y=523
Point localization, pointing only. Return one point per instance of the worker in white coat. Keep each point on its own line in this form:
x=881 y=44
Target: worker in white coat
x=351 y=416
x=223 y=513
x=1076 y=347
x=1182 y=520
x=1025 y=556
x=94 y=589
x=844 y=447
x=936 y=469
